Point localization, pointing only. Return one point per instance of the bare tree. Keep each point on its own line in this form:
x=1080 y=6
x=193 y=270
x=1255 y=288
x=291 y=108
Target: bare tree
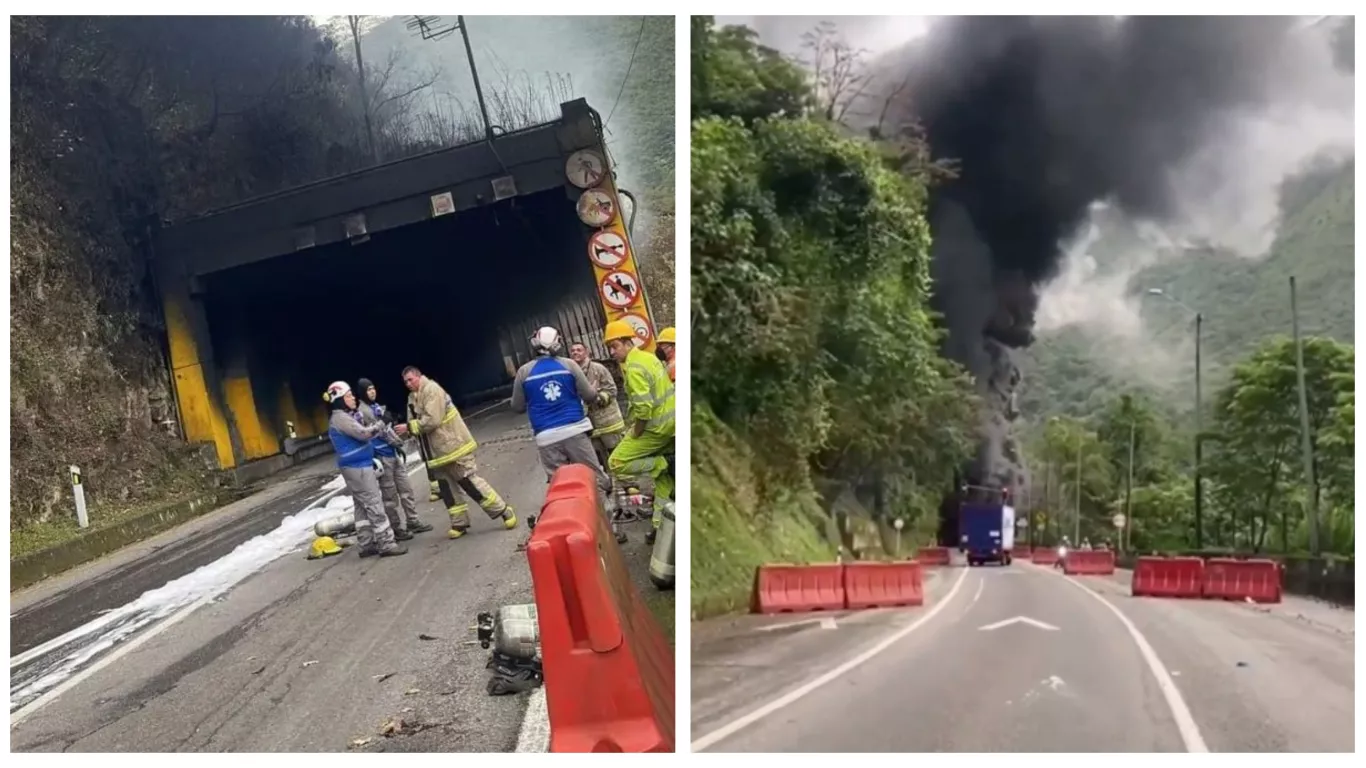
x=839 y=71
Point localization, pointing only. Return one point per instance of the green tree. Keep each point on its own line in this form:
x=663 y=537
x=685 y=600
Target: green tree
x=732 y=75
x=1054 y=454
x=1256 y=466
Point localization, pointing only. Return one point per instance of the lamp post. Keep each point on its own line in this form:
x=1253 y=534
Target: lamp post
x=1199 y=489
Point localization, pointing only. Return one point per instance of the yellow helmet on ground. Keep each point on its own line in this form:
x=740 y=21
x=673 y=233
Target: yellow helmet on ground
x=666 y=336
x=322 y=547
x=618 y=329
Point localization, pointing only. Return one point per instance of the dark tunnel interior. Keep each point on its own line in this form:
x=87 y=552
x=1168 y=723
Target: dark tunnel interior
x=455 y=296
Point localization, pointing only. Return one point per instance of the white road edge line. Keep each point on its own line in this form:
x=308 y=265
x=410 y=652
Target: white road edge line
x=534 y=735
x=1185 y=721
x=740 y=723
x=981 y=583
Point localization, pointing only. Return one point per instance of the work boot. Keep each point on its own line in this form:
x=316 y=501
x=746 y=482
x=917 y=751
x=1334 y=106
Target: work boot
x=393 y=551
x=650 y=538
x=509 y=518
x=456 y=533
x=402 y=536
x=369 y=551
x=417 y=526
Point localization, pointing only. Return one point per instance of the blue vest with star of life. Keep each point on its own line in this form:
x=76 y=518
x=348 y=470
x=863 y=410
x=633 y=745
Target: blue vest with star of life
x=351 y=453
x=552 y=397
x=382 y=447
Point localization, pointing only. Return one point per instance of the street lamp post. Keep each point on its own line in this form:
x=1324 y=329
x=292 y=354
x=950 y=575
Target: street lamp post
x=1199 y=487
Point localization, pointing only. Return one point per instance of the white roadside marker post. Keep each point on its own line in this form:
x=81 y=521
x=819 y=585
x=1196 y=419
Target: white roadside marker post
x=82 y=519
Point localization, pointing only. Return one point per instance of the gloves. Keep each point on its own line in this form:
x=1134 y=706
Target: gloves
x=604 y=399
x=379 y=467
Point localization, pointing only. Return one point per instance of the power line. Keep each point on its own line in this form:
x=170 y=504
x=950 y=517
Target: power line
x=627 y=76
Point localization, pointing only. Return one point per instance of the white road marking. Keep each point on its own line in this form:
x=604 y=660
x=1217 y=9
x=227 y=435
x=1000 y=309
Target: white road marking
x=1185 y=722
x=535 y=733
x=825 y=622
x=1019 y=620
x=733 y=727
x=981 y=583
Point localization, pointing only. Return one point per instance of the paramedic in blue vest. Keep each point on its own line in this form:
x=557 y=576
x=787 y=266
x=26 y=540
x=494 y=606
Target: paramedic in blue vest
x=354 y=444
x=551 y=390
x=400 y=505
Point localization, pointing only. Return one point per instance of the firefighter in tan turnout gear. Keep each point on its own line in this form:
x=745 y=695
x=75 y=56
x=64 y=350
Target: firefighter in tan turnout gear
x=434 y=419
x=354 y=445
x=604 y=413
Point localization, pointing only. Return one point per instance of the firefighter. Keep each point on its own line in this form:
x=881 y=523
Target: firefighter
x=664 y=349
x=551 y=391
x=434 y=419
x=353 y=442
x=604 y=413
x=647 y=447
x=400 y=505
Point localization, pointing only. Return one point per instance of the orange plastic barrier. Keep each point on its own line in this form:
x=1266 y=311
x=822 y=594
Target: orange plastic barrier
x=933 y=555
x=1021 y=553
x=1090 y=562
x=609 y=669
x=883 y=585
x=1044 y=555
x=1168 y=577
x=794 y=588
x=1258 y=580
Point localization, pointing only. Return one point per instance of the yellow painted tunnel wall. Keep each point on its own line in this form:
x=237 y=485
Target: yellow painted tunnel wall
x=201 y=417
x=258 y=438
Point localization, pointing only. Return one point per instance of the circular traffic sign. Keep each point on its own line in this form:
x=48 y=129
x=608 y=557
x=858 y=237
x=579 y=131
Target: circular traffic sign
x=585 y=169
x=620 y=289
x=1118 y=520
x=641 y=327
x=607 y=249
x=596 y=208
x=898 y=524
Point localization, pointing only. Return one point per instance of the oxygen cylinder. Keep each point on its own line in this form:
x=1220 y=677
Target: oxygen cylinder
x=662 y=555
x=336 y=527
x=515 y=631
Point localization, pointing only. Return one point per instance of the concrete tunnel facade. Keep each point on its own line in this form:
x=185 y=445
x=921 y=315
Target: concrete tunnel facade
x=269 y=301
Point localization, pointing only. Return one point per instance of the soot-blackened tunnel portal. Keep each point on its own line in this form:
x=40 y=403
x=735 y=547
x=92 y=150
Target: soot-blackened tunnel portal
x=456 y=296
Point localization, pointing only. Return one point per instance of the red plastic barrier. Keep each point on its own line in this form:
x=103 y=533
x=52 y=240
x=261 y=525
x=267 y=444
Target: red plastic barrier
x=1044 y=555
x=883 y=585
x=794 y=588
x=933 y=556
x=1168 y=577
x=1089 y=562
x=609 y=669
x=1021 y=553
x=1258 y=580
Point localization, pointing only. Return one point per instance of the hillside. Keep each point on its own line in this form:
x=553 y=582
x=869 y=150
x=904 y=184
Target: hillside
x=1244 y=301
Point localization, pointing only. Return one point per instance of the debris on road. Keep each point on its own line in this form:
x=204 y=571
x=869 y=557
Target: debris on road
x=308 y=664
x=383 y=677
x=412 y=691
x=260 y=670
x=358 y=743
x=425 y=636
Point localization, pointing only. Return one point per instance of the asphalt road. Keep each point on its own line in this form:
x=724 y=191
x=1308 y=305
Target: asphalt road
x=1071 y=673
x=312 y=656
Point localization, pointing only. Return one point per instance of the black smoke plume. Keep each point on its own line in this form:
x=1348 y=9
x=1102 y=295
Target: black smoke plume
x=1046 y=116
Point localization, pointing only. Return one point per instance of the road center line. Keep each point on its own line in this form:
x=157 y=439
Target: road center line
x=978 y=594
x=1185 y=722
x=740 y=723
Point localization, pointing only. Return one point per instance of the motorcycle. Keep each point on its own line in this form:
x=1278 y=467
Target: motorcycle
x=1062 y=555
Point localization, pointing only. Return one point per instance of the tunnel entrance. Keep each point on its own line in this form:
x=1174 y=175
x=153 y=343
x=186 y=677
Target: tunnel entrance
x=446 y=261
x=456 y=296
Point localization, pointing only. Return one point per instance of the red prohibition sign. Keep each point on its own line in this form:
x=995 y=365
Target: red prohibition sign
x=620 y=289
x=607 y=249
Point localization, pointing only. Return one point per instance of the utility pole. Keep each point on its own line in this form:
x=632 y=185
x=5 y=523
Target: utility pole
x=1077 y=530
x=1127 y=533
x=1199 y=443
x=354 y=21
x=1306 y=445
x=474 y=75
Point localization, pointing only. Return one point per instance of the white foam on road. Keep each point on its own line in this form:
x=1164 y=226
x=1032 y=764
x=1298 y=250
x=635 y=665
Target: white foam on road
x=740 y=723
x=193 y=589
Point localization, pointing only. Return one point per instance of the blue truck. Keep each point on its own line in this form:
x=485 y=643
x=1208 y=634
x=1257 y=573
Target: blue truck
x=986 y=526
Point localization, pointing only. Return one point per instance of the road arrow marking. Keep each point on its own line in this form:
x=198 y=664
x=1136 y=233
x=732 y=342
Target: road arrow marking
x=1019 y=620
x=826 y=623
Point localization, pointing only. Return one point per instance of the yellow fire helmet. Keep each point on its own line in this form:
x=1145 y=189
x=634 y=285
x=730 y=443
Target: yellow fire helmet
x=666 y=336
x=618 y=329
x=322 y=547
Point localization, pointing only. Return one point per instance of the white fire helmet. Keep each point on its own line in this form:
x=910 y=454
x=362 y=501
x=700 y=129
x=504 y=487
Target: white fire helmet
x=545 y=341
x=336 y=391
